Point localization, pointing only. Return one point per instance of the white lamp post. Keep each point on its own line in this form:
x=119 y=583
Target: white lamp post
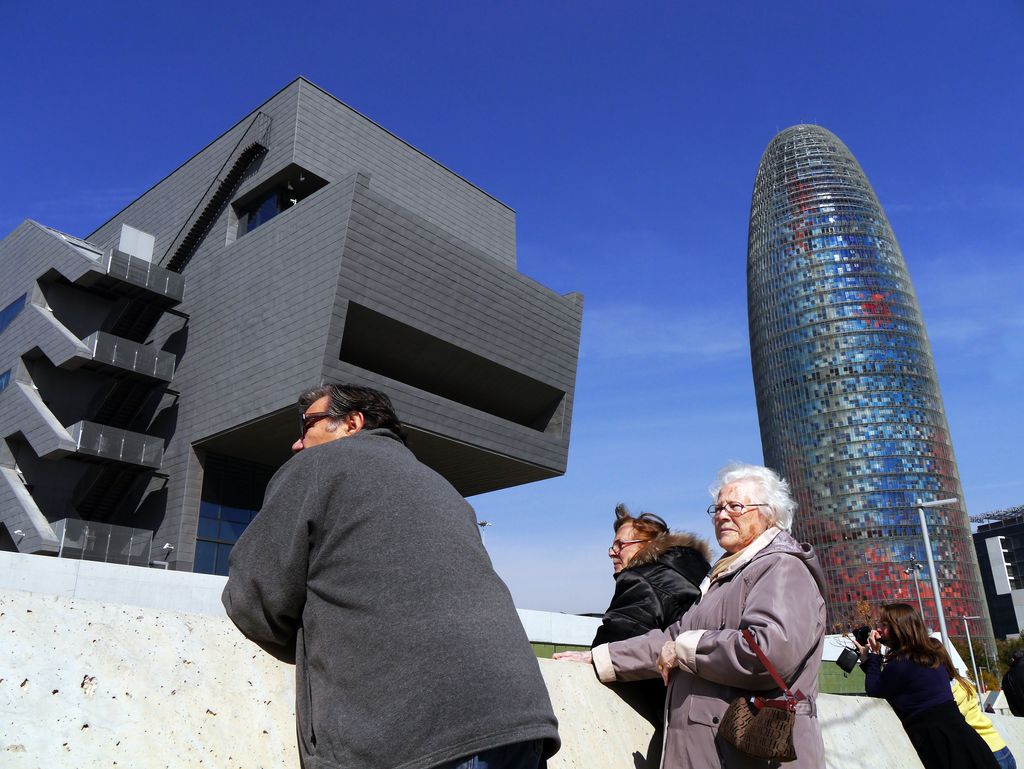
x=483 y=525
x=931 y=564
x=967 y=627
x=913 y=569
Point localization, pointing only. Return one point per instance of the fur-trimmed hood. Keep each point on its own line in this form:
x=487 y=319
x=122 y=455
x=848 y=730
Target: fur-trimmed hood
x=662 y=543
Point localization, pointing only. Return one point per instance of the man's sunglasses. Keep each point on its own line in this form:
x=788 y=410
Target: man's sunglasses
x=310 y=419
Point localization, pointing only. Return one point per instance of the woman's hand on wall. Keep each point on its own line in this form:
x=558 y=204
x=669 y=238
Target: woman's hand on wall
x=585 y=657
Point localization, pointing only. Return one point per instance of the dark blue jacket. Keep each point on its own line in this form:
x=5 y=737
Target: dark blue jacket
x=910 y=688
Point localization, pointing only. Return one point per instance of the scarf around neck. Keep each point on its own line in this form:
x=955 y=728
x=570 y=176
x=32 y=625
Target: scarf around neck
x=730 y=562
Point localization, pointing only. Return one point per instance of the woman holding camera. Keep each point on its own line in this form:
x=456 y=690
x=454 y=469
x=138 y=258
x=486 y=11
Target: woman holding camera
x=913 y=677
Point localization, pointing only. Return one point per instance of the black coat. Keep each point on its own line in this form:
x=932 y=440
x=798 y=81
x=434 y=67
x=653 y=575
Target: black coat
x=658 y=586
x=1013 y=688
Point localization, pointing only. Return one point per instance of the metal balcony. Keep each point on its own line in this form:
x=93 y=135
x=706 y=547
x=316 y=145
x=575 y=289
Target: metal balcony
x=138 y=359
x=111 y=444
x=92 y=541
x=143 y=279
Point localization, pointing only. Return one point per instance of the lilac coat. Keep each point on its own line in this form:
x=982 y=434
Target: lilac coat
x=778 y=595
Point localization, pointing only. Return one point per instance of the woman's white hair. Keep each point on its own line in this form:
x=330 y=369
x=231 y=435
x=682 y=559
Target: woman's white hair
x=775 y=492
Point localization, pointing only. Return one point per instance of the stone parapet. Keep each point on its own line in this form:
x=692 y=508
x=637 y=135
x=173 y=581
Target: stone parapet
x=89 y=684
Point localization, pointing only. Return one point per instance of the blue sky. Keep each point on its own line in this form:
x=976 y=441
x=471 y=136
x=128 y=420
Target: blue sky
x=626 y=137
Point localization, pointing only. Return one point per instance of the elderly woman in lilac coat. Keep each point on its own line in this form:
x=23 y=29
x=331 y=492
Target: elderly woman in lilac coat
x=766 y=581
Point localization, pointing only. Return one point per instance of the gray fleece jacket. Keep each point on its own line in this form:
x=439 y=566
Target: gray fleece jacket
x=366 y=569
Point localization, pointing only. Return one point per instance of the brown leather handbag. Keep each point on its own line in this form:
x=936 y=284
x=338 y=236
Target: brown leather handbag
x=758 y=727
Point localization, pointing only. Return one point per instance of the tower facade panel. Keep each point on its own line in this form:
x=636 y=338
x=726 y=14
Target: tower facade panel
x=848 y=400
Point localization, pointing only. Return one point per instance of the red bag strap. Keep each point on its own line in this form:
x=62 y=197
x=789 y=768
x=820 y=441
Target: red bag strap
x=786 y=704
x=769 y=666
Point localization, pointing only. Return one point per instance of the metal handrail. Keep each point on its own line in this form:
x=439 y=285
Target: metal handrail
x=140 y=272
x=126 y=354
x=116 y=444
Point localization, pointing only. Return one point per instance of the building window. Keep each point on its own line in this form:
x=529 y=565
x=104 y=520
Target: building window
x=232 y=495
x=5 y=379
x=265 y=209
x=10 y=312
x=280 y=192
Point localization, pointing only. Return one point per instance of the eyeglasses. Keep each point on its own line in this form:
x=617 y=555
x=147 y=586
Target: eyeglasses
x=310 y=419
x=734 y=509
x=618 y=544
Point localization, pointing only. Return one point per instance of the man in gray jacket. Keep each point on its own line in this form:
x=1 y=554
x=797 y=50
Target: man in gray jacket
x=366 y=569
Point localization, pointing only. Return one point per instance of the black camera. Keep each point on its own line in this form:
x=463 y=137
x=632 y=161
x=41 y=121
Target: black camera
x=861 y=634
x=847 y=660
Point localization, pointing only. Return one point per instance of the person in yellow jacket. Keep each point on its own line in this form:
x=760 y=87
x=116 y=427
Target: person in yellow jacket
x=967 y=701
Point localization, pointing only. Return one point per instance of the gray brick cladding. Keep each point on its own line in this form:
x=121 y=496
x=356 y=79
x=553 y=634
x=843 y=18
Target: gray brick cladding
x=408 y=270
x=318 y=132
x=393 y=232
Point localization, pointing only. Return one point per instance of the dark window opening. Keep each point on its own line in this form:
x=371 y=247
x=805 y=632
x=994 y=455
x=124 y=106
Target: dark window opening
x=232 y=494
x=10 y=312
x=383 y=345
x=283 y=190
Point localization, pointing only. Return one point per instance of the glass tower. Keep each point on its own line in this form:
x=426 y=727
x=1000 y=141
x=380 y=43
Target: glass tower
x=847 y=397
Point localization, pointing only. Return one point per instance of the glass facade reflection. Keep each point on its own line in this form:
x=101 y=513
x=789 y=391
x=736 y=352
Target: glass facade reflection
x=848 y=400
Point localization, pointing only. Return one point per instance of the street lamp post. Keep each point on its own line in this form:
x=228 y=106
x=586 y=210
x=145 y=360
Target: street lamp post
x=931 y=564
x=483 y=525
x=913 y=569
x=974 y=665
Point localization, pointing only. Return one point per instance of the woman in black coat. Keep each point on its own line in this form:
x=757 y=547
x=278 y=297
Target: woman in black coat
x=657 y=576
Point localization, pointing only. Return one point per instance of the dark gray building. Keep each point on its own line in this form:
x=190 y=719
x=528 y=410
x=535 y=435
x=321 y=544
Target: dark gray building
x=999 y=544
x=148 y=372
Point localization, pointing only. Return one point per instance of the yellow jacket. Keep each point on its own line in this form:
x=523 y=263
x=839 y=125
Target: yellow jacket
x=968 y=703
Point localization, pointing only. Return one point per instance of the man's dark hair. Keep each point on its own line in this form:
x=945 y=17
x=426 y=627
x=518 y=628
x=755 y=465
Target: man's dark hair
x=1017 y=656
x=344 y=399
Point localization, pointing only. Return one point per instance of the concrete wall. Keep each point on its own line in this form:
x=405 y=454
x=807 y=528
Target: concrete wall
x=86 y=684
x=110 y=665
x=113 y=583
x=200 y=593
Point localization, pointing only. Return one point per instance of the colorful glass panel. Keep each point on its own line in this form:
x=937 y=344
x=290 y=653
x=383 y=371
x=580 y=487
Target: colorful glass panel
x=848 y=400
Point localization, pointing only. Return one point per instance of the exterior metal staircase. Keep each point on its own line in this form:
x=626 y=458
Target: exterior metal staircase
x=122 y=403
x=126 y=458
x=137 y=319
x=101 y=491
x=254 y=142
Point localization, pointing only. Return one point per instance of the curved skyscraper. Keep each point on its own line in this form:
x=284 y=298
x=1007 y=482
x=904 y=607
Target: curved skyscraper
x=847 y=396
